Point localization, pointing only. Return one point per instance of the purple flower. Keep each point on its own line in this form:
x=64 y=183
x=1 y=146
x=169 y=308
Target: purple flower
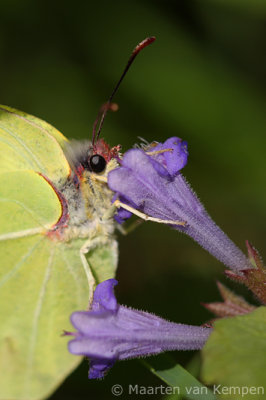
x=153 y=184
x=111 y=332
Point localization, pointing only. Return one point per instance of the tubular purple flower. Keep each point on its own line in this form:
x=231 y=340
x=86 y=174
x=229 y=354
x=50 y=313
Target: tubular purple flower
x=153 y=184
x=111 y=332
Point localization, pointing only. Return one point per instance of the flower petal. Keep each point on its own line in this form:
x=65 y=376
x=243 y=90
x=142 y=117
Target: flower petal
x=176 y=159
x=141 y=182
x=108 y=335
x=104 y=298
x=99 y=368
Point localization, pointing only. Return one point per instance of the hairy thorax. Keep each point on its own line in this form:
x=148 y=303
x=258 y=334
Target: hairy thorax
x=86 y=202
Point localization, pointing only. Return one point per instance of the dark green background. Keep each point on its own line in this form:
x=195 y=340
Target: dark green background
x=203 y=80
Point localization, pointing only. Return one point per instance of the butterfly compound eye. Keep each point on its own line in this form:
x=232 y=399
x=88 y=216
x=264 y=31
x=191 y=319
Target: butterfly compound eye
x=97 y=163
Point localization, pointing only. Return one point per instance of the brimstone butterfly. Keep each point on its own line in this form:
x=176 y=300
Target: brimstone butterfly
x=56 y=240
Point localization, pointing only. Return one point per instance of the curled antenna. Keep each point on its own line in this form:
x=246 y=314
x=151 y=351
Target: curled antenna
x=112 y=106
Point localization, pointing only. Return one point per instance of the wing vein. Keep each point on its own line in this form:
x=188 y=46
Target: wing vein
x=35 y=322
x=20 y=234
x=73 y=274
x=17 y=150
x=28 y=210
x=19 y=264
x=28 y=150
x=32 y=123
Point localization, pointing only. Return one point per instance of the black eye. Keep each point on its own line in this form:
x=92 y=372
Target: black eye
x=97 y=163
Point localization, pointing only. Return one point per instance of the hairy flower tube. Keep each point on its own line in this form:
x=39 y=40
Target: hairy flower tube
x=150 y=180
x=111 y=332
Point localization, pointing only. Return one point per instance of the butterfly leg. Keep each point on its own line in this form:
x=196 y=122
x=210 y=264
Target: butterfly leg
x=88 y=246
x=117 y=204
x=145 y=217
x=125 y=230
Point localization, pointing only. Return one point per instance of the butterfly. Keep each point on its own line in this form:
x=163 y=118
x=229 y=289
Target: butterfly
x=56 y=242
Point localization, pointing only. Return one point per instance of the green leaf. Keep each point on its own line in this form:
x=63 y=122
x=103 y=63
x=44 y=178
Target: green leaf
x=42 y=279
x=234 y=355
x=165 y=367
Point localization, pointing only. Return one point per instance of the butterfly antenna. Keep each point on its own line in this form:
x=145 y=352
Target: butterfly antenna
x=109 y=105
